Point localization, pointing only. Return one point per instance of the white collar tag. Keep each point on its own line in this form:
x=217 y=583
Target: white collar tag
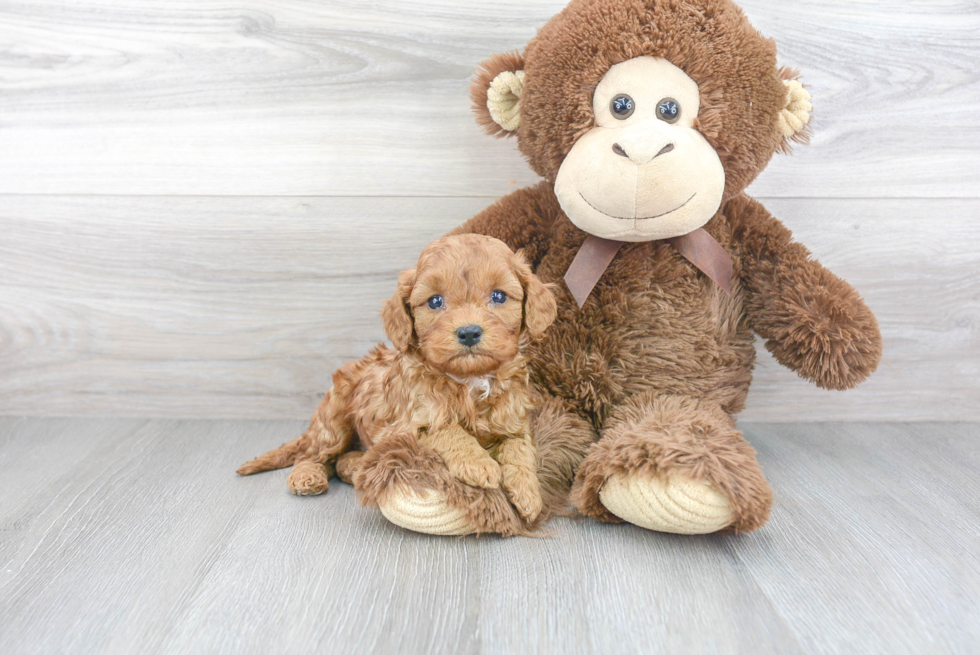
x=481 y=384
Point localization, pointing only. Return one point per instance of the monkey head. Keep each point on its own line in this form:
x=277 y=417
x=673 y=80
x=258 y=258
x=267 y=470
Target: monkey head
x=646 y=115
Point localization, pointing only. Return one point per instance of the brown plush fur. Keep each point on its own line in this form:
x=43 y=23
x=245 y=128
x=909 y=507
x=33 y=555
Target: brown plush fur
x=659 y=359
x=662 y=434
x=497 y=64
x=409 y=406
x=656 y=325
x=711 y=40
x=646 y=377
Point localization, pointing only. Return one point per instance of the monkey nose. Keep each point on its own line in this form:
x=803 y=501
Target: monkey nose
x=639 y=159
x=469 y=335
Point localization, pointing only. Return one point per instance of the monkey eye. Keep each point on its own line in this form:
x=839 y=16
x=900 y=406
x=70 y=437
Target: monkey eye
x=622 y=106
x=668 y=110
x=498 y=297
x=435 y=302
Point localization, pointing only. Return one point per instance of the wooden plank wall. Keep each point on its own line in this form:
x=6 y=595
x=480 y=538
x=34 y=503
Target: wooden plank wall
x=203 y=204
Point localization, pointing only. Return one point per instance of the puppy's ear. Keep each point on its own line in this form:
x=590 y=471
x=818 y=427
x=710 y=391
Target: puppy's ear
x=540 y=307
x=396 y=317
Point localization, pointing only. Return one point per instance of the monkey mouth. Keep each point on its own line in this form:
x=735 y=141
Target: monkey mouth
x=630 y=218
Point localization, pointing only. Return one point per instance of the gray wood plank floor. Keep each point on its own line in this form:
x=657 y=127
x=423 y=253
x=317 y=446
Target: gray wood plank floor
x=124 y=536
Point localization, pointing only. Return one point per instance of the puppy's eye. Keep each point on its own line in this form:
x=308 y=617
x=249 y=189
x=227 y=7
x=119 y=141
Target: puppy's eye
x=498 y=297
x=435 y=302
x=668 y=110
x=622 y=106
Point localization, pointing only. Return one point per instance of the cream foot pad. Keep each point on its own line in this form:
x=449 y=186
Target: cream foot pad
x=678 y=505
x=427 y=513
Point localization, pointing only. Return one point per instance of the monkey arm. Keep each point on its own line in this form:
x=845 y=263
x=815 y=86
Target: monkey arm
x=522 y=220
x=813 y=322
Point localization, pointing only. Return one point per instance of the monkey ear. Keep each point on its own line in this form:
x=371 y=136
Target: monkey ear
x=540 y=307
x=496 y=93
x=794 y=118
x=396 y=317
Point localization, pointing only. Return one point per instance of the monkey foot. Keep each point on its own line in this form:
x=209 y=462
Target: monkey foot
x=428 y=513
x=677 y=504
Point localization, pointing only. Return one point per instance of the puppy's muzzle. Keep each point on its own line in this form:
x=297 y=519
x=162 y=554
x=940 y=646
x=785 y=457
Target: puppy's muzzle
x=469 y=335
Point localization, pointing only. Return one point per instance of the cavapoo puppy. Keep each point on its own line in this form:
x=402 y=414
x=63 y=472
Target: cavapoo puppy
x=456 y=379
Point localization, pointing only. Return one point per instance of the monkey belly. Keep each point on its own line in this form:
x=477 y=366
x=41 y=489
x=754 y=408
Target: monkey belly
x=653 y=323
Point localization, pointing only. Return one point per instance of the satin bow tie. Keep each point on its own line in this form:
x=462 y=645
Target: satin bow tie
x=595 y=255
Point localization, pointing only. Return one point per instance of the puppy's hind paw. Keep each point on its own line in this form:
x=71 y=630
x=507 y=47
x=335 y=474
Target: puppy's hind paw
x=308 y=479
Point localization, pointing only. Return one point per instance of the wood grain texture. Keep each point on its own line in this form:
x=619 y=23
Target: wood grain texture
x=854 y=506
x=143 y=540
x=244 y=307
x=346 y=97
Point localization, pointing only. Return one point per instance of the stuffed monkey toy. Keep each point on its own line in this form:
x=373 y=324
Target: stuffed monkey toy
x=647 y=120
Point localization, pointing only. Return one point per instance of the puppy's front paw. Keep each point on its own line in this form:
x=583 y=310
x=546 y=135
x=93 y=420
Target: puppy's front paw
x=524 y=493
x=482 y=472
x=308 y=479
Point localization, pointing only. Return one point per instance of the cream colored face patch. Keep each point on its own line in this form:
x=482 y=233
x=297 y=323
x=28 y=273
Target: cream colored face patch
x=643 y=172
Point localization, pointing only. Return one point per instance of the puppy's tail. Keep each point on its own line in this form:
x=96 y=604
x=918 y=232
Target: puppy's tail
x=328 y=436
x=283 y=456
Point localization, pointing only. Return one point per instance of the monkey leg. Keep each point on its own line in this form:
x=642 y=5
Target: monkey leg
x=673 y=464
x=414 y=489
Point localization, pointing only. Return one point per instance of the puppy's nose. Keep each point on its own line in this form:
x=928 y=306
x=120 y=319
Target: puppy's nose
x=469 y=335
